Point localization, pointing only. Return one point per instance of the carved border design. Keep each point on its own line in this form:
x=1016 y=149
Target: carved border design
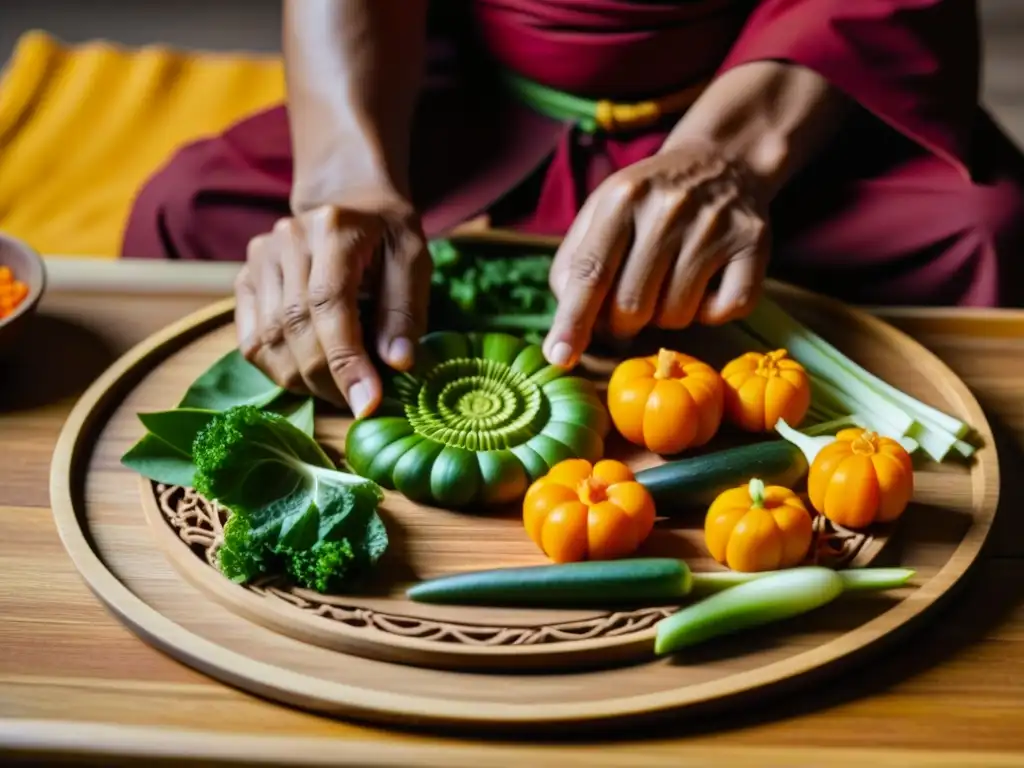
x=200 y=524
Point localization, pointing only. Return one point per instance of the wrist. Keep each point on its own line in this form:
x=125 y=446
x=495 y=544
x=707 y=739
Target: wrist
x=350 y=171
x=770 y=117
x=764 y=156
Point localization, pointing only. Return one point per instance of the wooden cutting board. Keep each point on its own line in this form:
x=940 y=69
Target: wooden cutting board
x=147 y=555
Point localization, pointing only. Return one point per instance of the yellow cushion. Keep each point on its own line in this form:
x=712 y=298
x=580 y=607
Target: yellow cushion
x=82 y=127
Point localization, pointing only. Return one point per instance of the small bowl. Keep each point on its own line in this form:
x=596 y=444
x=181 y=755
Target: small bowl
x=28 y=267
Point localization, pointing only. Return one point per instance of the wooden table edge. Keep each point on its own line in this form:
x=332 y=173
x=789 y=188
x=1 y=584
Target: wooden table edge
x=53 y=739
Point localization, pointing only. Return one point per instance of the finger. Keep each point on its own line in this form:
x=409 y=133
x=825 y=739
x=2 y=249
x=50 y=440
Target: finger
x=299 y=333
x=560 y=267
x=405 y=293
x=656 y=244
x=593 y=265
x=245 y=314
x=700 y=257
x=274 y=357
x=341 y=246
x=742 y=278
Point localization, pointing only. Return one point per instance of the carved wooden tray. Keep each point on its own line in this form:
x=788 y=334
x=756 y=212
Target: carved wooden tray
x=377 y=655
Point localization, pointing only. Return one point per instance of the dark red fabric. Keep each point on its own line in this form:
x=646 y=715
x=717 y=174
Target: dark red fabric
x=613 y=49
x=888 y=214
x=895 y=226
x=913 y=63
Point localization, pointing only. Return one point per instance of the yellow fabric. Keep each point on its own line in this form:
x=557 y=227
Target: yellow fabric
x=82 y=127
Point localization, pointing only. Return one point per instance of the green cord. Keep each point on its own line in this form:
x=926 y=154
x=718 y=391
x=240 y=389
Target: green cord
x=555 y=104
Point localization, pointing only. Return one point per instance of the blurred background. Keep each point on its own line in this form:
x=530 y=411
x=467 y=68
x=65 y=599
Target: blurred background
x=73 y=109
x=254 y=25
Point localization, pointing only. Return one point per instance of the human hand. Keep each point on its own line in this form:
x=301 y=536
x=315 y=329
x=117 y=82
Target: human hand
x=648 y=242
x=297 y=316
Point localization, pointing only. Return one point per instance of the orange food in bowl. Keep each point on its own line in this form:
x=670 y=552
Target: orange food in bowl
x=12 y=292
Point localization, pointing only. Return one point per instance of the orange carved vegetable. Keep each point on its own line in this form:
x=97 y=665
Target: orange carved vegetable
x=754 y=528
x=861 y=478
x=666 y=403
x=760 y=389
x=579 y=511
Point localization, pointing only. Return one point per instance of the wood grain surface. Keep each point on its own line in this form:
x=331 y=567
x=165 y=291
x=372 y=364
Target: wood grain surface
x=74 y=682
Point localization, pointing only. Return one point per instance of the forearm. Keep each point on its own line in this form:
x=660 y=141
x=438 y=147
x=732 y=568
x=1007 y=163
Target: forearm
x=774 y=117
x=353 y=71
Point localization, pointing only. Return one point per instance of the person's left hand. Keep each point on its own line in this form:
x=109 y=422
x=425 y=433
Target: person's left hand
x=648 y=242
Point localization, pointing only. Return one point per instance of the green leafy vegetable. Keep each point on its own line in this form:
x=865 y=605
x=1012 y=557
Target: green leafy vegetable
x=159 y=461
x=231 y=381
x=291 y=508
x=164 y=454
x=298 y=412
x=179 y=427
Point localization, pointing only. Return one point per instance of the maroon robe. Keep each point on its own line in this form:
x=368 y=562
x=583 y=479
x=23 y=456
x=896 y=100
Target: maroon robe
x=919 y=200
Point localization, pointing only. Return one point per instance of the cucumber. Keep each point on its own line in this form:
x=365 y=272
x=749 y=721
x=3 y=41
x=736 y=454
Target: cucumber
x=695 y=482
x=572 y=585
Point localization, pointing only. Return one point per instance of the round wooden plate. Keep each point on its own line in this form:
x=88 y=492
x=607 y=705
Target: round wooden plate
x=287 y=644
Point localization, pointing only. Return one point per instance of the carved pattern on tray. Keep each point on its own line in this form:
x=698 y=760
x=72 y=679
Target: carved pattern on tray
x=200 y=525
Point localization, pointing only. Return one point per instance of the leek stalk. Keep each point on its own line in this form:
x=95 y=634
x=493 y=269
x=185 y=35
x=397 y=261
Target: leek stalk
x=752 y=600
x=839 y=385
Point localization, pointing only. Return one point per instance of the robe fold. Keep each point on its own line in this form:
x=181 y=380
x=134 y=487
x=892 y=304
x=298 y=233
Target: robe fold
x=918 y=200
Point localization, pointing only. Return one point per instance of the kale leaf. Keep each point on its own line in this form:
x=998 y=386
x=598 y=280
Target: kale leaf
x=290 y=508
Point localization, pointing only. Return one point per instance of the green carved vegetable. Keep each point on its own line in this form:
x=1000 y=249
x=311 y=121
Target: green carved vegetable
x=476 y=421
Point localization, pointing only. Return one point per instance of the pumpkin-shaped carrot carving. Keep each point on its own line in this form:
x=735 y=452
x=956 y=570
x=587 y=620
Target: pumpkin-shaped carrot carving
x=754 y=528
x=579 y=511
x=760 y=389
x=666 y=403
x=861 y=478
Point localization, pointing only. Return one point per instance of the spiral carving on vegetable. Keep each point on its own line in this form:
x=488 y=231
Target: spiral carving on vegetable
x=478 y=418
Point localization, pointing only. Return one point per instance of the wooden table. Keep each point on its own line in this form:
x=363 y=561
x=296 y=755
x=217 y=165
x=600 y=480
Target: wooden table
x=75 y=683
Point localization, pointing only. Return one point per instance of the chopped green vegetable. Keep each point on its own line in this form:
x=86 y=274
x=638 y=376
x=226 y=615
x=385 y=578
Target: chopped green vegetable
x=479 y=291
x=291 y=508
x=780 y=595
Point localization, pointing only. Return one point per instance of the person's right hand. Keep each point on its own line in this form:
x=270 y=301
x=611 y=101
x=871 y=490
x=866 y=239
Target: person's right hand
x=297 y=315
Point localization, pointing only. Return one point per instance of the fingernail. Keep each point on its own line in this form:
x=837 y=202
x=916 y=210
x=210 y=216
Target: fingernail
x=400 y=352
x=561 y=354
x=358 y=398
